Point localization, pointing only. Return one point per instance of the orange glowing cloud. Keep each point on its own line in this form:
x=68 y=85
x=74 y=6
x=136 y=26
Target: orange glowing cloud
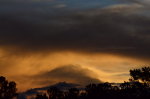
x=29 y=68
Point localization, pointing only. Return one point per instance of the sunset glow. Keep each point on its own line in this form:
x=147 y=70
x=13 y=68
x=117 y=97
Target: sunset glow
x=43 y=42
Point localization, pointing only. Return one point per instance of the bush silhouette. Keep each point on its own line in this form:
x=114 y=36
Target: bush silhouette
x=7 y=89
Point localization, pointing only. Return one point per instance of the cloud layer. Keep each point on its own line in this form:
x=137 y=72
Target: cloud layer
x=117 y=29
x=36 y=36
x=70 y=73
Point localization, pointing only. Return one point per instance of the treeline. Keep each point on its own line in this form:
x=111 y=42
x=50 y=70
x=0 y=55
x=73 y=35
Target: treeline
x=127 y=90
x=138 y=87
x=8 y=89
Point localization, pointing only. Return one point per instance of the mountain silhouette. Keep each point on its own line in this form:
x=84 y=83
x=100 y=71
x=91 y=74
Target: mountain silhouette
x=61 y=85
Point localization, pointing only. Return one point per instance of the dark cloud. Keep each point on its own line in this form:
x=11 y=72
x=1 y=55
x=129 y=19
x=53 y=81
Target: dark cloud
x=68 y=73
x=143 y=2
x=27 y=27
x=119 y=30
x=71 y=73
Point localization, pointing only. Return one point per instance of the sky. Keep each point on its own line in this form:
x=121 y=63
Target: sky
x=43 y=42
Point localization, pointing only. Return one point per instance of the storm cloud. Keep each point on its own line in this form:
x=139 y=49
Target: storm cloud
x=36 y=36
x=116 y=29
x=68 y=73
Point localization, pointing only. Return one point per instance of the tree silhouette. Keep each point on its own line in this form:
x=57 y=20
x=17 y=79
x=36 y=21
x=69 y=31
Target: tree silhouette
x=73 y=93
x=142 y=74
x=41 y=96
x=7 y=89
x=55 y=93
x=136 y=88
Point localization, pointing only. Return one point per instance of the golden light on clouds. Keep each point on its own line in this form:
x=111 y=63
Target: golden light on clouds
x=43 y=42
x=105 y=67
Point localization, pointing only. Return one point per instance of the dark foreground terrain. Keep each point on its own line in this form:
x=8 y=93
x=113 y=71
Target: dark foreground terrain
x=138 y=87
